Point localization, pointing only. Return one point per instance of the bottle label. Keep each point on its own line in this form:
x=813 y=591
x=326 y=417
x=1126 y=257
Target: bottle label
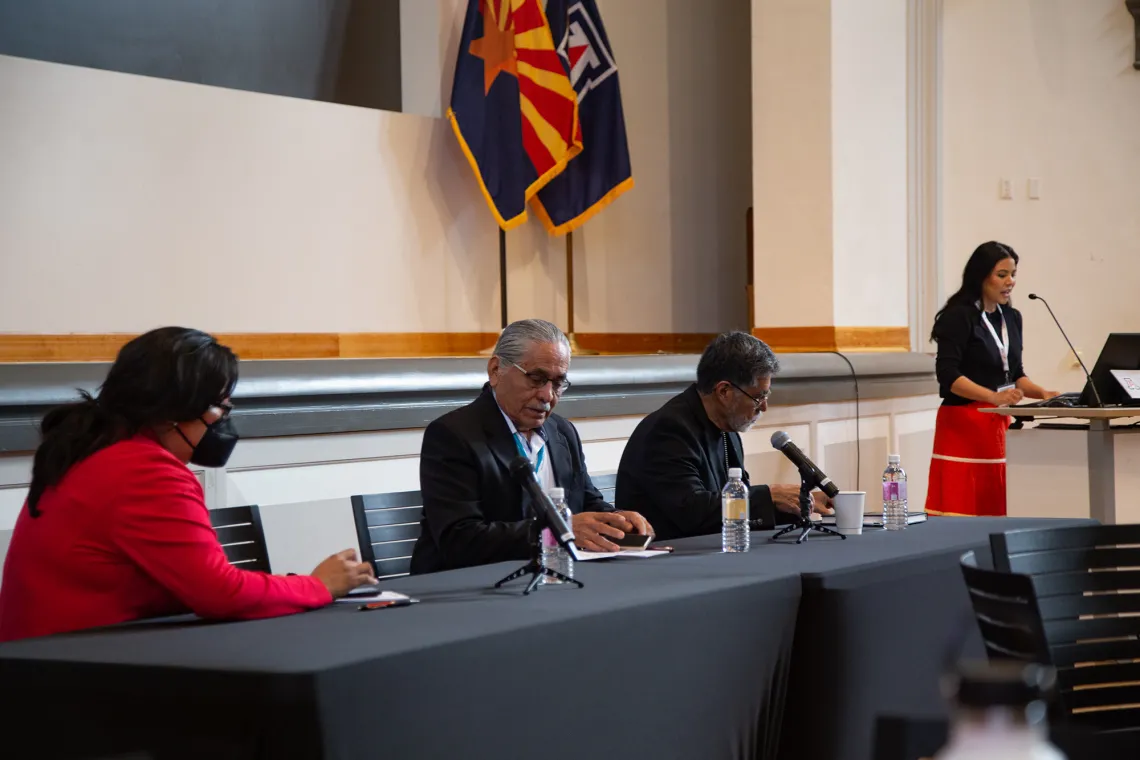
x=548 y=538
x=735 y=509
x=895 y=490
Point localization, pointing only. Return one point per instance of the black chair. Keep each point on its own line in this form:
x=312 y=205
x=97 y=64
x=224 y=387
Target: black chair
x=1086 y=583
x=387 y=526
x=241 y=536
x=1005 y=607
x=607 y=484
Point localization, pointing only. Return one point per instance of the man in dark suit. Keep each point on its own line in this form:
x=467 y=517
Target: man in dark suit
x=474 y=513
x=677 y=460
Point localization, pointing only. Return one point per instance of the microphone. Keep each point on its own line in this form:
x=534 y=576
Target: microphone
x=782 y=442
x=1035 y=297
x=523 y=473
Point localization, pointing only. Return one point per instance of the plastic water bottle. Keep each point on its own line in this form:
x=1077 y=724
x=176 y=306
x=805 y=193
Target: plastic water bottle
x=554 y=556
x=894 y=495
x=999 y=713
x=734 y=535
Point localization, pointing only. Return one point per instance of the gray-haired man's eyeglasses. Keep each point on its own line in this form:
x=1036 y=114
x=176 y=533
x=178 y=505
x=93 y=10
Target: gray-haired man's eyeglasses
x=539 y=379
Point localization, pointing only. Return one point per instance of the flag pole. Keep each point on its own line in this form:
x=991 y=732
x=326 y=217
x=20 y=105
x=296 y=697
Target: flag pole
x=574 y=347
x=502 y=278
x=502 y=288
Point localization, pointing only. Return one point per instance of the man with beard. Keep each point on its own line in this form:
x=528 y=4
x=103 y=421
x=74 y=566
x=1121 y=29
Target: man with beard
x=474 y=513
x=676 y=463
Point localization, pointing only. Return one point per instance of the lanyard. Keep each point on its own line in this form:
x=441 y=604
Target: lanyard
x=1002 y=342
x=526 y=452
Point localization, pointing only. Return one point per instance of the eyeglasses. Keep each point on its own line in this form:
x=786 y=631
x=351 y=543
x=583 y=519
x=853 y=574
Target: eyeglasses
x=226 y=407
x=538 y=379
x=759 y=402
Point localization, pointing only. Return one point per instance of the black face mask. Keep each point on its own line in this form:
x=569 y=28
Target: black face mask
x=216 y=445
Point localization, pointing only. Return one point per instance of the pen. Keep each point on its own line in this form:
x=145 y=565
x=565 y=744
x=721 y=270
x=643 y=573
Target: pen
x=387 y=603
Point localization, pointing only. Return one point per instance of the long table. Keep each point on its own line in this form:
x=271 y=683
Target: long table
x=880 y=614
x=650 y=658
x=699 y=654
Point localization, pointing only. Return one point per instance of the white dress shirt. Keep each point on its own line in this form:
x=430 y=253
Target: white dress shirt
x=530 y=449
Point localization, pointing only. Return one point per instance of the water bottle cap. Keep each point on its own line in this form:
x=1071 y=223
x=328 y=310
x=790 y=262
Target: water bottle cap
x=735 y=472
x=893 y=459
x=557 y=493
x=984 y=684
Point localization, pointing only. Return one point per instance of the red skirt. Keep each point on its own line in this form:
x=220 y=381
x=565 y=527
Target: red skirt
x=967 y=469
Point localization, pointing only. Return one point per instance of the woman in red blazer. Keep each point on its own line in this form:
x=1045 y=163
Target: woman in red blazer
x=115 y=527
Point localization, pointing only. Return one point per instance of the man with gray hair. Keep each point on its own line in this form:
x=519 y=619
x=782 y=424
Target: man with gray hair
x=474 y=514
x=677 y=460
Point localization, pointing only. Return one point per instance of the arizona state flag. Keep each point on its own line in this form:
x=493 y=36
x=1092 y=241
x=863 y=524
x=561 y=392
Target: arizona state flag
x=602 y=171
x=512 y=106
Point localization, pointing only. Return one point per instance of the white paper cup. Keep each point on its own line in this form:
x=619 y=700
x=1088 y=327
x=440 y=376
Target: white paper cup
x=849 y=512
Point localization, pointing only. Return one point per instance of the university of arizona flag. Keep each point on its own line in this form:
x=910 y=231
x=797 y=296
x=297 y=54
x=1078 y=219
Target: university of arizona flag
x=602 y=171
x=512 y=106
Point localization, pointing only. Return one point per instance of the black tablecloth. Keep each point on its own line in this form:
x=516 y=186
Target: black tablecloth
x=682 y=657
x=877 y=613
x=654 y=658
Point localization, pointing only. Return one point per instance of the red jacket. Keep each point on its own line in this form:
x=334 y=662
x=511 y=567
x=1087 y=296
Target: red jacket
x=124 y=536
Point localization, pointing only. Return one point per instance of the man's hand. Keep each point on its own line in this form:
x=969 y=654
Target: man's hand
x=640 y=524
x=592 y=528
x=821 y=504
x=786 y=498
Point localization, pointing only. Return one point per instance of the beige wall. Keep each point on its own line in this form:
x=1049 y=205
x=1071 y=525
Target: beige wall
x=679 y=236
x=829 y=140
x=128 y=201
x=791 y=162
x=1045 y=88
x=869 y=161
x=123 y=198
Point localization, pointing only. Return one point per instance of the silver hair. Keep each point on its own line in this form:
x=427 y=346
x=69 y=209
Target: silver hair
x=517 y=338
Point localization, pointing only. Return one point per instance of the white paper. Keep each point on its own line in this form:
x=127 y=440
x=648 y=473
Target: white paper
x=585 y=556
x=376 y=596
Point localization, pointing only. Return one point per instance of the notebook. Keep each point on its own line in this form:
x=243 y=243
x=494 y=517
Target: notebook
x=875 y=519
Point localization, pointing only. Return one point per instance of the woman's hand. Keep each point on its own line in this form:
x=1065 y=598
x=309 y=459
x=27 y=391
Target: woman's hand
x=341 y=573
x=1008 y=397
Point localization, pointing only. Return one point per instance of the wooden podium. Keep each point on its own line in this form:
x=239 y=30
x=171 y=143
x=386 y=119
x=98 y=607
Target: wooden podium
x=1075 y=467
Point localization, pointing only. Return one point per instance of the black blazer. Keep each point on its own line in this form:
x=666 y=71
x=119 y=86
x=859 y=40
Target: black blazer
x=474 y=514
x=673 y=469
x=966 y=348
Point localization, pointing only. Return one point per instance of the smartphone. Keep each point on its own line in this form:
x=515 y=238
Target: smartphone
x=631 y=541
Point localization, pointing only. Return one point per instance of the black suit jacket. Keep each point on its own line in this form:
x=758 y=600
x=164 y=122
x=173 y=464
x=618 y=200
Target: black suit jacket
x=474 y=514
x=673 y=469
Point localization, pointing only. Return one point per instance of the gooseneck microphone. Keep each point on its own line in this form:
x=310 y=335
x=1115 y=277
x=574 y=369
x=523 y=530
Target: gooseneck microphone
x=782 y=442
x=523 y=473
x=1096 y=395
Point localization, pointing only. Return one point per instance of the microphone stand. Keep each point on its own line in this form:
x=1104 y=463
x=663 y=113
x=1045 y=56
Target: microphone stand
x=1080 y=361
x=535 y=567
x=804 y=521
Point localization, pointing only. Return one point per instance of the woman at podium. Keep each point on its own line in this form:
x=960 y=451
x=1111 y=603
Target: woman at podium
x=979 y=336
